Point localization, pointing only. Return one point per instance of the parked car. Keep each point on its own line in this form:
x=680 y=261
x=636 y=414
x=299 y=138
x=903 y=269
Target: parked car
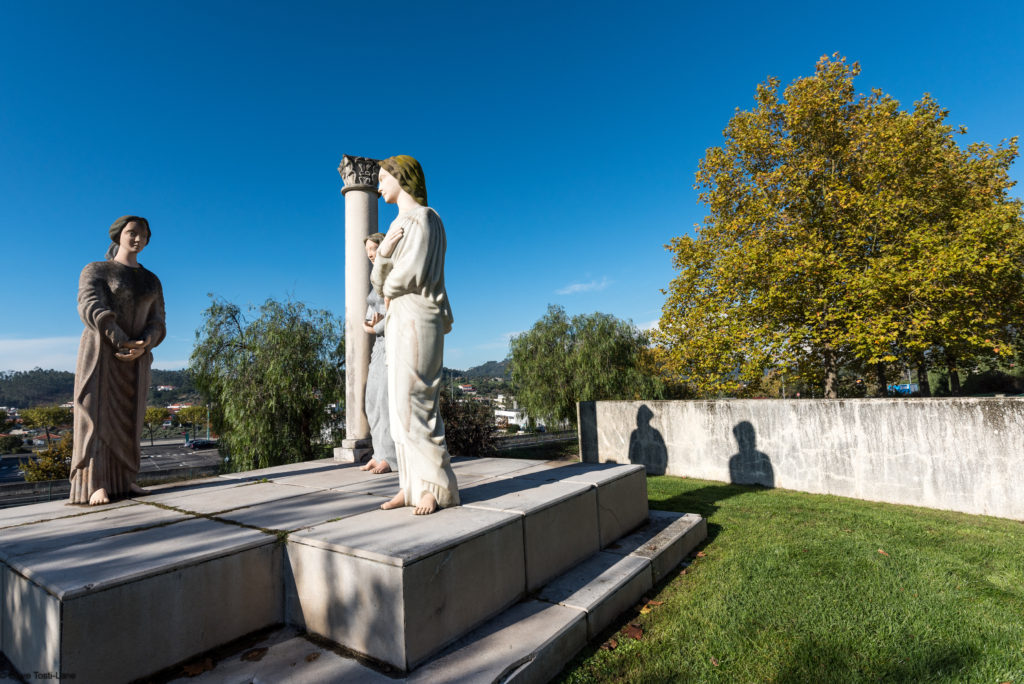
x=201 y=444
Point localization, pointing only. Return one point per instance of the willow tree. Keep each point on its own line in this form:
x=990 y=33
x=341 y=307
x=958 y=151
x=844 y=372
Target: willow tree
x=841 y=231
x=269 y=380
x=562 y=360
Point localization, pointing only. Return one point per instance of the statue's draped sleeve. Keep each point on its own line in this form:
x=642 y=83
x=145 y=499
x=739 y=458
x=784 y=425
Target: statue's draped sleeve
x=95 y=308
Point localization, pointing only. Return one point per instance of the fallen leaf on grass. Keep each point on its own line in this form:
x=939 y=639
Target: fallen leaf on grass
x=700 y=554
x=609 y=645
x=198 y=668
x=882 y=552
x=255 y=655
x=633 y=631
x=714 y=661
x=312 y=656
x=647 y=607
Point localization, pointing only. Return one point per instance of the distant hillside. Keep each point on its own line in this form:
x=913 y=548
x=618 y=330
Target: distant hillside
x=491 y=369
x=38 y=387
x=184 y=389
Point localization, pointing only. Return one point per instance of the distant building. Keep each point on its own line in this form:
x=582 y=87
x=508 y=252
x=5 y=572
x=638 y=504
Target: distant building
x=504 y=418
x=164 y=388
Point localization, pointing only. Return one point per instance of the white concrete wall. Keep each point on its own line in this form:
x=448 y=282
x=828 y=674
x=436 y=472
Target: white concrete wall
x=961 y=454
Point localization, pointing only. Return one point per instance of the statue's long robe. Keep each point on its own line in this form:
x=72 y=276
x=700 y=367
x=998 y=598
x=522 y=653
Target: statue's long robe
x=417 y=320
x=117 y=303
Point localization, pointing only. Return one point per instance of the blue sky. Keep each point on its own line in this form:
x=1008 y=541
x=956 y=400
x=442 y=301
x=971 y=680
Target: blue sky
x=559 y=141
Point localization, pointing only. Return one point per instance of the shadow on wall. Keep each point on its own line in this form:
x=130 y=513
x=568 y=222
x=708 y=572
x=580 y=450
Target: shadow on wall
x=646 y=445
x=748 y=465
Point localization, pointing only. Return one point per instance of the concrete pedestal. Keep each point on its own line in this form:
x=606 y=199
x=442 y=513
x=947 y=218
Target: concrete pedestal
x=121 y=592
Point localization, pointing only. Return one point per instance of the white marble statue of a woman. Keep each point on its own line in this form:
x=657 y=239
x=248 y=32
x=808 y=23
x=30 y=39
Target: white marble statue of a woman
x=409 y=274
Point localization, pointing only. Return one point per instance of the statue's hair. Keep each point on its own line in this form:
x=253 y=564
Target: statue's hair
x=409 y=174
x=376 y=238
x=118 y=226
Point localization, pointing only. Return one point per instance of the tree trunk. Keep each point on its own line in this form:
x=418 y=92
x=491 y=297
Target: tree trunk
x=831 y=373
x=954 y=381
x=881 y=385
x=922 y=379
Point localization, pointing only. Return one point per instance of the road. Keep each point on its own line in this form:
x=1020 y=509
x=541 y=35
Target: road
x=173 y=454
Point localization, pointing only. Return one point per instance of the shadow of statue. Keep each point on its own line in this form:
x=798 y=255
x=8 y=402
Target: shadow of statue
x=748 y=465
x=646 y=445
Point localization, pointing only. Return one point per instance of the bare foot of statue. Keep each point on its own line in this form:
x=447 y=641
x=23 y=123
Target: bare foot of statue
x=370 y=465
x=397 y=502
x=99 y=497
x=136 y=489
x=428 y=504
x=381 y=468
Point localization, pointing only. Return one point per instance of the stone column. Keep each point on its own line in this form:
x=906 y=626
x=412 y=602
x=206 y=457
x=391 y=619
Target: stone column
x=360 y=177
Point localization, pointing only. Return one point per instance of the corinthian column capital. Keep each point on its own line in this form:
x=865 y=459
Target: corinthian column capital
x=358 y=172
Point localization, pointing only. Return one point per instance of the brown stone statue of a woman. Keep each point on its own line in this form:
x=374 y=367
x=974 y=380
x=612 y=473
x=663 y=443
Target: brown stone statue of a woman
x=122 y=306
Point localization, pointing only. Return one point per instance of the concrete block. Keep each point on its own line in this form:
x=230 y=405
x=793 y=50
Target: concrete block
x=307 y=510
x=604 y=586
x=530 y=642
x=77 y=530
x=665 y=540
x=621 y=493
x=227 y=497
x=341 y=475
x=385 y=485
x=305 y=467
x=210 y=491
x=469 y=469
x=187 y=611
x=104 y=603
x=31 y=625
x=292 y=659
x=67 y=571
x=560 y=525
x=399 y=587
x=49 y=510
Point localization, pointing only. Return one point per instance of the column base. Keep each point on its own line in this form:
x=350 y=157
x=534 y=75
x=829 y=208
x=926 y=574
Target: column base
x=353 y=450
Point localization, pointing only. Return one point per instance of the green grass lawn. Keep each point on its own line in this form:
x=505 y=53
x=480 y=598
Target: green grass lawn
x=795 y=587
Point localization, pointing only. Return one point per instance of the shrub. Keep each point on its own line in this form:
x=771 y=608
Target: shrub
x=10 y=444
x=52 y=463
x=468 y=427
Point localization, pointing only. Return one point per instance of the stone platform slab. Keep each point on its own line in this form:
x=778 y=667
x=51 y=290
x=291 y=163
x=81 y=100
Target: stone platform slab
x=193 y=566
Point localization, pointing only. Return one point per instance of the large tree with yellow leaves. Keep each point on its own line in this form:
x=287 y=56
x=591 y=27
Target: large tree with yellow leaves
x=843 y=231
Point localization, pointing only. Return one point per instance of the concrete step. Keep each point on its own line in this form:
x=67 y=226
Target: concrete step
x=529 y=643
